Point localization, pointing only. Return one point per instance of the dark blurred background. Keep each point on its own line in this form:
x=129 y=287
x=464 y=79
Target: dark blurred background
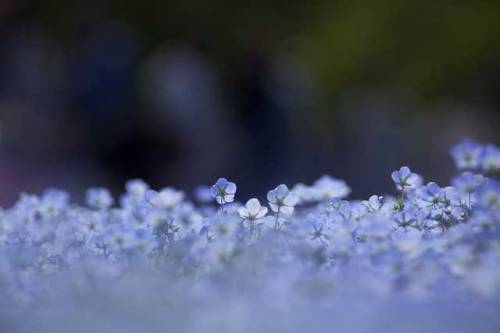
x=93 y=93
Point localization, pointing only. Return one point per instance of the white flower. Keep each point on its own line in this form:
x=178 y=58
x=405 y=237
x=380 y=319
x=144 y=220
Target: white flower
x=223 y=191
x=330 y=188
x=166 y=198
x=252 y=210
x=282 y=200
x=136 y=187
x=374 y=203
x=99 y=198
x=324 y=188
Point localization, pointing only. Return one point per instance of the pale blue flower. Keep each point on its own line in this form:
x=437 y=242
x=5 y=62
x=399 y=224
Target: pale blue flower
x=281 y=200
x=430 y=194
x=489 y=194
x=468 y=182
x=252 y=210
x=374 y=203
x=490 y=159
x=223 y=191
x=330 y=188
x=167 y=198
x=99 y=198
x=467 y=155
x=405 y=179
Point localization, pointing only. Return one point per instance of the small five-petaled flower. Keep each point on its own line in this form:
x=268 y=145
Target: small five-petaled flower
x=405 y=179
x=252 y=210
x=223 y=191
x=281 y=200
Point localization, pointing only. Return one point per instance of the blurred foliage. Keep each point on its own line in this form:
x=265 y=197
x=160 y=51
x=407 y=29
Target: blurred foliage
x=427 y=46
x=431 y=47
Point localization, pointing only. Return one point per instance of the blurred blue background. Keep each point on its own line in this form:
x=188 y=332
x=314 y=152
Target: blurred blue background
x=93 y=93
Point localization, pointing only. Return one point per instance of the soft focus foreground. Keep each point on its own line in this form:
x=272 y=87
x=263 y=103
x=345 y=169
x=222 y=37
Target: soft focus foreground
x=426 y=259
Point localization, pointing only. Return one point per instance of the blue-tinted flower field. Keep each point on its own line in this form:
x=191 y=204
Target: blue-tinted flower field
x=299 y=258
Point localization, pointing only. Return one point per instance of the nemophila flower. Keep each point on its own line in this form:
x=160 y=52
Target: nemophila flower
x=153 y=218
x=135 y=191
x=468 y=182
x=325 y=188
x=119 y=237
x=490 y=159
x=303 y=192
x=430 y=194
x=467 y=155
x=331 y=188
x=90 y=223
x=318 y=234
x=136 y=187
x=157 y=240
x=223 y=191
x=489 y=194
x=340 y=207
x=99 y=198
x=167 y=198
x=358 y=210
x=188 y=217
x=49 y=205
x=252 y=210
x=454 y=196
x=223 y=227
x=54 y=200
x=281 y=200
x=405 y=179
x=374 y=203
x=406 y=218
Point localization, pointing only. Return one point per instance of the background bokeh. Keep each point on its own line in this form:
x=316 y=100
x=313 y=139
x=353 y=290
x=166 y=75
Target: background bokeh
x=93 y=93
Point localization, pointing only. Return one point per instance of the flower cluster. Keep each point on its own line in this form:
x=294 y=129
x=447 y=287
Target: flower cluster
x=469 y=155
x=424 y=241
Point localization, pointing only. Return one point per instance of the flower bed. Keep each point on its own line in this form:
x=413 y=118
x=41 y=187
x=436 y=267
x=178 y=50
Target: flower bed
x=305 y=259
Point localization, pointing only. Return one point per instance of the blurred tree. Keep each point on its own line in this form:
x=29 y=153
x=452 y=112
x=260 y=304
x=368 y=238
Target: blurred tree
x=431 y=47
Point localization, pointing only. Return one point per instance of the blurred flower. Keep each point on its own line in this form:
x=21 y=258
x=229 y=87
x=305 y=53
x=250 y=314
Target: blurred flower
x=468 y=182
x=203 y=194
x=490 y=160
x=167 y=198
x=489 y=194
x=99 y=198
x=330 y=188
x=467 y=155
